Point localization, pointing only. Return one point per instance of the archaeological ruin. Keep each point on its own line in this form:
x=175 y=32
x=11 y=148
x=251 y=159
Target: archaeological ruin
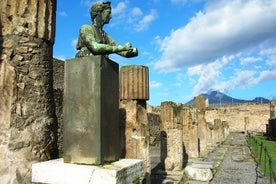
x=32 y=114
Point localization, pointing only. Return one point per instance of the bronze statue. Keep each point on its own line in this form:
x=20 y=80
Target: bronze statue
x=93 y=40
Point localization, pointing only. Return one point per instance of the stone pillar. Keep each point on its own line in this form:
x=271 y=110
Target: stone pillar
x=226 y=129
x=91 y=110
x=134 y=82
x=134 y=85
x=190 y=132
x=272 y=106
x=171 y=136
x=246 y=123
x=204 y=133
x=27 y=30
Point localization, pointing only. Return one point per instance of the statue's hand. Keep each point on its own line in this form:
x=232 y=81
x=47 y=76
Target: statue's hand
x=133 y=52
x=126 y=46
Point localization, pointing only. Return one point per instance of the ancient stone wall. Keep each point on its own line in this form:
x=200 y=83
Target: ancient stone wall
x=241 y=118
x=29 y=121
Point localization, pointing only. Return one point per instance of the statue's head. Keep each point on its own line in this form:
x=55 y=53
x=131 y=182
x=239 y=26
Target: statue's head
x=98 y=7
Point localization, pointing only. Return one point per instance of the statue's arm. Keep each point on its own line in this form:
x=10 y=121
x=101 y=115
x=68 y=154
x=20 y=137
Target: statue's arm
x=96 y=48
x=132 y=52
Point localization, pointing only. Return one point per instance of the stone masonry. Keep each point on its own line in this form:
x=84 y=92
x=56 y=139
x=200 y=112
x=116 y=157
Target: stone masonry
x=171 y=136
x=134 y=123
x=190 y=140
x=28 y=122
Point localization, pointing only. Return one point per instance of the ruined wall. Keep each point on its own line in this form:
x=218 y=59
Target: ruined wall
x=28 y=121
x=241 y=118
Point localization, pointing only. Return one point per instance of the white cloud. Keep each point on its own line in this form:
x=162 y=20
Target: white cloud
x=146 y=20
x=250 y=60
x=271 y=61
x=208 y=75
x=120 y=8
x=136 y=12
x=267 y=75
x=224 y=28
x=154 y=84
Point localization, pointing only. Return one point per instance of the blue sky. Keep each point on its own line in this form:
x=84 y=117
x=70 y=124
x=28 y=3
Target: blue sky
x=190 y=46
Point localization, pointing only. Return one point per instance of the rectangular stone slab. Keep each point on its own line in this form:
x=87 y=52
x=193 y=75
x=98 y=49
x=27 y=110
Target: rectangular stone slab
x=91 y=110
x=56 y=171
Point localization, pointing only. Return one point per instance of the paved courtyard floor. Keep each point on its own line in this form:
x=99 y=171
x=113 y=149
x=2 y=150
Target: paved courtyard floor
x=232 y=160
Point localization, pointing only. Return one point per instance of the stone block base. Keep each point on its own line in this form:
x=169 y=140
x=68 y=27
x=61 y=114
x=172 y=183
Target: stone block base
x=200 y=171
x=57 y=172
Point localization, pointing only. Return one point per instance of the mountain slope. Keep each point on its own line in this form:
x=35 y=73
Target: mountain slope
x=216 y=97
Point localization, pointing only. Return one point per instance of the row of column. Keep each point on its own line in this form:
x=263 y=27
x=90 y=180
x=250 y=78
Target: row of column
x=186 y=135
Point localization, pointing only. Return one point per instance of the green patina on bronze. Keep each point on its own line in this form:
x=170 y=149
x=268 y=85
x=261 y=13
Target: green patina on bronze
x=93 y=40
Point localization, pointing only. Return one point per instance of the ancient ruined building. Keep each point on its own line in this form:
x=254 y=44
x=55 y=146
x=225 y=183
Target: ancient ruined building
x=27 y=117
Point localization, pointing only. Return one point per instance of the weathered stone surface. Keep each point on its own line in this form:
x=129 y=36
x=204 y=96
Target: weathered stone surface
x=272 y=107
x=199 y=171
x=200 y=103
x=253 y=117
x=26 y=44
x=32 y=18
x=134 y=82
x=135 y=132
x=174 y=159
x=58 y=84
x=154 y=128
x=171 y=136
x=204 y=133
x=190 y=132
x=56 y=171
x=91 y=110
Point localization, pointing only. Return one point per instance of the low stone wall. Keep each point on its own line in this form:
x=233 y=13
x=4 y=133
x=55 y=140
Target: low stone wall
x=241 y=118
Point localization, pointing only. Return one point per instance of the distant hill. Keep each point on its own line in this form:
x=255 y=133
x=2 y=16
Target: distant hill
x=216 y=97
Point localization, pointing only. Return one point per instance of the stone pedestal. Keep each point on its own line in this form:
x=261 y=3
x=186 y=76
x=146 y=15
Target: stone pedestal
x=57 y=172
x=91 y=110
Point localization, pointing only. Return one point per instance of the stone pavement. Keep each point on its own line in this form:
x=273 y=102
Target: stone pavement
x=237 y=166
x=233 y=164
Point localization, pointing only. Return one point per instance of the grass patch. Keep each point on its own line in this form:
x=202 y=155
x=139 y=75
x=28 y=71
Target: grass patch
x=262 y=153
